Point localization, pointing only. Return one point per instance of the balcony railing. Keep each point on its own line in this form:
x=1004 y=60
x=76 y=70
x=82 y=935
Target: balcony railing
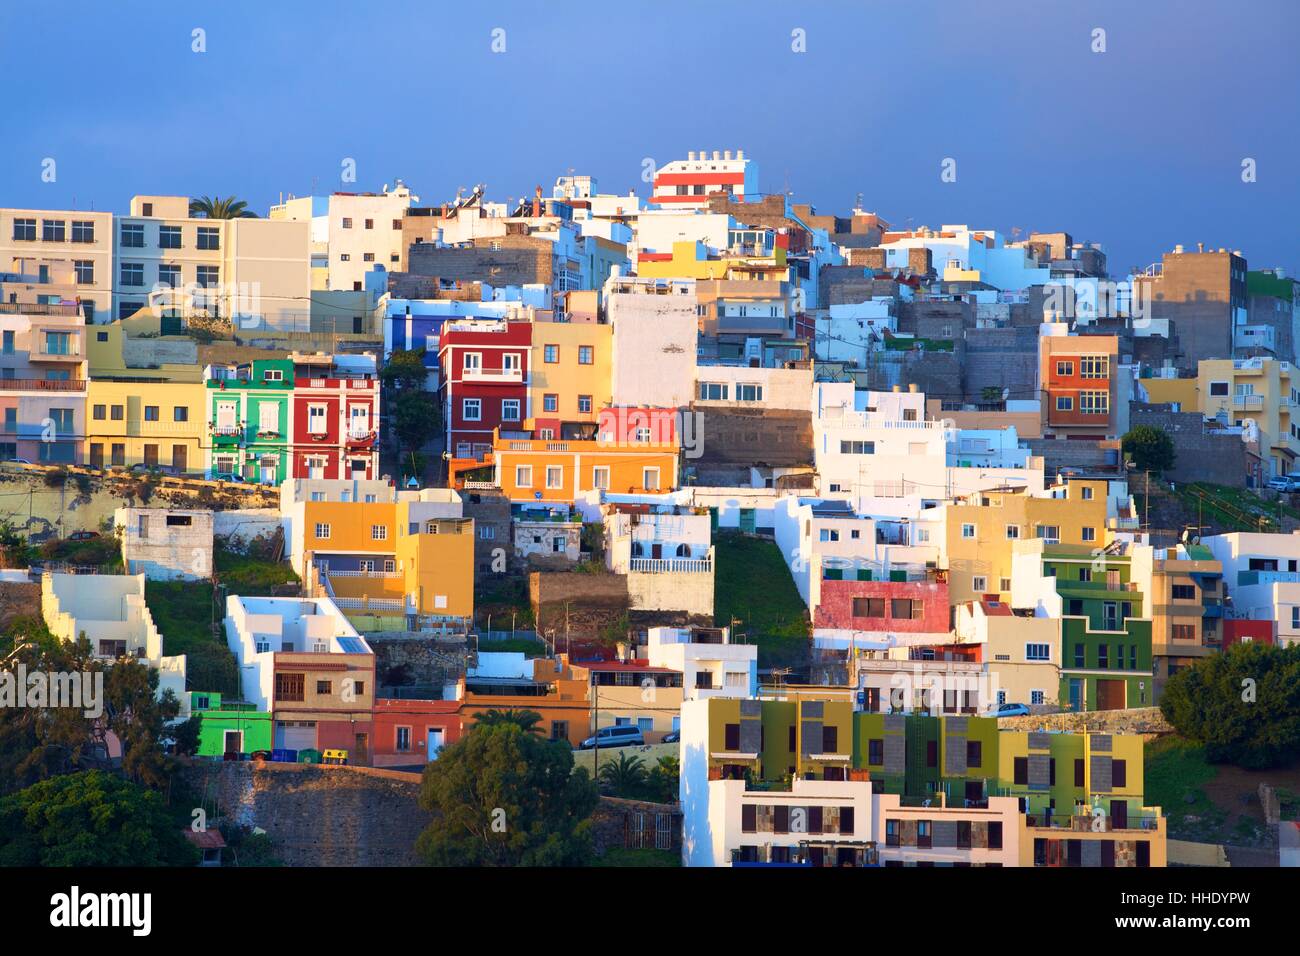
x=42 y=385
x=493 y=374
x=671 y=565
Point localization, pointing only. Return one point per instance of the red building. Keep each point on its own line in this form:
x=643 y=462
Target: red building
x=485 y=377
x=903 y=607
x=335 y=415
x=1240 y=630
x=406 y=731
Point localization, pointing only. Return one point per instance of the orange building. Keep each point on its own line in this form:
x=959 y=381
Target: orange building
x=1077 y=377
x=537 y=469
x=556 y=691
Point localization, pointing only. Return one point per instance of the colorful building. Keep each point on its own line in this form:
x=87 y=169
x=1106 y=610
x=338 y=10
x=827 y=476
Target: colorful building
x=43 y=384
x=335 y=416
x=229 y=727
x=413 y=732
x=158 y=424
x=249 y=420
x=570 y=380
x=485 y=381
x=1078 y=377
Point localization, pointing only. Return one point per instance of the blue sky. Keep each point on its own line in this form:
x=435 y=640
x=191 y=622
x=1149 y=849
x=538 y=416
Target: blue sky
x=1139 y=147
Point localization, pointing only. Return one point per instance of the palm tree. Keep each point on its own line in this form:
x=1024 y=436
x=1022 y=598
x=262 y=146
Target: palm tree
x=624 y=776
x=214 y=207
x=526 y=720
x=663 y=780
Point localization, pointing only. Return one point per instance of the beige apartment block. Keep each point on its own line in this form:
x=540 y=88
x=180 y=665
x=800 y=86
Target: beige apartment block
x=57 y=256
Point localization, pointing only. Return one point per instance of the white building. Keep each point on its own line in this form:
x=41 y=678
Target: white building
x=166 y=544
x=849 y=332
x=655 y=333
x=961 y=254
x=667 y=555
x=710 y=664
x=1262 y=574
x=690 y=182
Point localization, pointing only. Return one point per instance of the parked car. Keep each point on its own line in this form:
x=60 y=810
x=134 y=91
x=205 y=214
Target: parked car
x=673 y=737
x=18 y=461
x=227 y=476
x=1009 y=710
x=83 y=535
x=621 y=735
x=1287 y=483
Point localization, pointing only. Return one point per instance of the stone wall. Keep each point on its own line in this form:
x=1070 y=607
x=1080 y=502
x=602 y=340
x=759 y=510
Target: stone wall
x=416 y=660
x=1201 y=453
x=580 y=601
x=1137 y=720
x=317 y=815
x=614 y=821
x=18 y=599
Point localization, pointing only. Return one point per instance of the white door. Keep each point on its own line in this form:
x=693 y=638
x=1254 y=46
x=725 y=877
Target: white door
x=433 y=744
x=360 y=425
x=267 y=471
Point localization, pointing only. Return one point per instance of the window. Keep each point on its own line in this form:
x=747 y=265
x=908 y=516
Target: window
x=876 y=751
x=968 y=531
x=53 y=230
x=1065 y=369
x=322 y=532
x=1094 y=403
x=347 y=222
x=24 y=230
x=584 y=404
x=600 y=477
x=324 y=686
x=1094 y=366
x=550 y=354
x=749 y=393
x=370 y=224
x=378 y=532
x=1064 y=403
x=1184 y=632
x=554 y=476
x=1183 y=592
x=713 y=392
x=974 y=753
x=906 y=609
x=1021 y=771
x=1004 y=584
x=551 y=403
x=829 y=534
x=169 y=237
x=289 y=687
x=978 y=583
x=1038 y=652
x=209 y=237
x=132 y=235
x=1086 y=493
x=1013 y=532
x=650 y=479
x=857 y=448
x=151 y=413
x=85 y=270
x=869 y=607
x=1036 y=697
x=586 y=355
x=169 y=276
x=83 y=231
x=1118 y=774
x=180 y=413
x=1088 y=534
x=510 y=409
x=1219 y=388
x=731 y=737
x=133 y=273
x=471 y=409
x=100 y=412
x=523 y=476
x=206 y=276
x=830 y=739
x=368 y=257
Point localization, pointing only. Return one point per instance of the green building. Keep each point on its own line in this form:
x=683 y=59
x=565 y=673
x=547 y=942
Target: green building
x=229 y=725
x=249 y=420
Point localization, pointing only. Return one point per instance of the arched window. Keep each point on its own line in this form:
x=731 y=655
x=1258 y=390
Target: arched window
x=683 y=551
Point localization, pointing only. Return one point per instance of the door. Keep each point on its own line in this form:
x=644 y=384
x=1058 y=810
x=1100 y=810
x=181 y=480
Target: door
x=359 y=427
x=180 y=459
x=1076 y=694
x=433 y=742
x=96 y=455
x=1110 y=694
x=360 y=755
x=295 y=735
x=234 y=742
x=1119 y=814
x=747 y=522
x=266 y=471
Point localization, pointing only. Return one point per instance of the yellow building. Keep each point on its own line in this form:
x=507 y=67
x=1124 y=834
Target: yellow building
x=570 y=372
x=387 y=559
x=1258 y=390
x=159 y=424
x=980 y=532
x=548 y=470
x=690 y=260
x=1185 y=587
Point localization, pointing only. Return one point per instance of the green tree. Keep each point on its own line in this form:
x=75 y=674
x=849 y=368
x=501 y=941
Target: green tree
x=501 y=796
x=415 y=418
x=91 y=818
x=405 y=369
x=213 y=207
x=528 y=720
x=139 y=719
x=1149 y=448
x=663 y=782
x=1243 y=705
x=624 y=776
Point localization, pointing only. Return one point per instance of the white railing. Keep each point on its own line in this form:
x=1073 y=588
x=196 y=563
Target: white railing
x=671 y=565
x=480 y=485
x=495 y=374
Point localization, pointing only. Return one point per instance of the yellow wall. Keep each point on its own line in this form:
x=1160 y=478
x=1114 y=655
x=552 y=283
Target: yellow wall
x=566 y=378
x=685 y=265
x=1268 y=405
x=1181 y=390
x=135 y=432
x=438 y=568
x=350 y=524
x=988 y=554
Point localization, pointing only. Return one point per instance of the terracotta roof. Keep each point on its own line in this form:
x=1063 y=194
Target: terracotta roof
x=205 y=839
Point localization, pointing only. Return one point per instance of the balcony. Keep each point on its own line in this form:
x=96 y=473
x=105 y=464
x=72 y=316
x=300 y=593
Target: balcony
x=1248 y=402
x=508 y=375
x=227 y=434
x=42 y=385
x=670 y=565
x=43 y=350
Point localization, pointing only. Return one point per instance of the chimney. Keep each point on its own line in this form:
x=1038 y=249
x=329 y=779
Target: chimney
x=740 y=154
x=717 y=154
x=1200 y=247
x=898 y=388
x=1178 y=249
x=690 y=156
x=911 y=387
x=726 y=154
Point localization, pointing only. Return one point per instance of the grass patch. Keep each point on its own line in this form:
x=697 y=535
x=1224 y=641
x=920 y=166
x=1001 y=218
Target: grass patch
x=1176 y=773
x=621 y=856
x=251 y=576
x=503 y=596
x=1233 y=508
x=184 y=613
x=753 y=584
x=529 y=647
